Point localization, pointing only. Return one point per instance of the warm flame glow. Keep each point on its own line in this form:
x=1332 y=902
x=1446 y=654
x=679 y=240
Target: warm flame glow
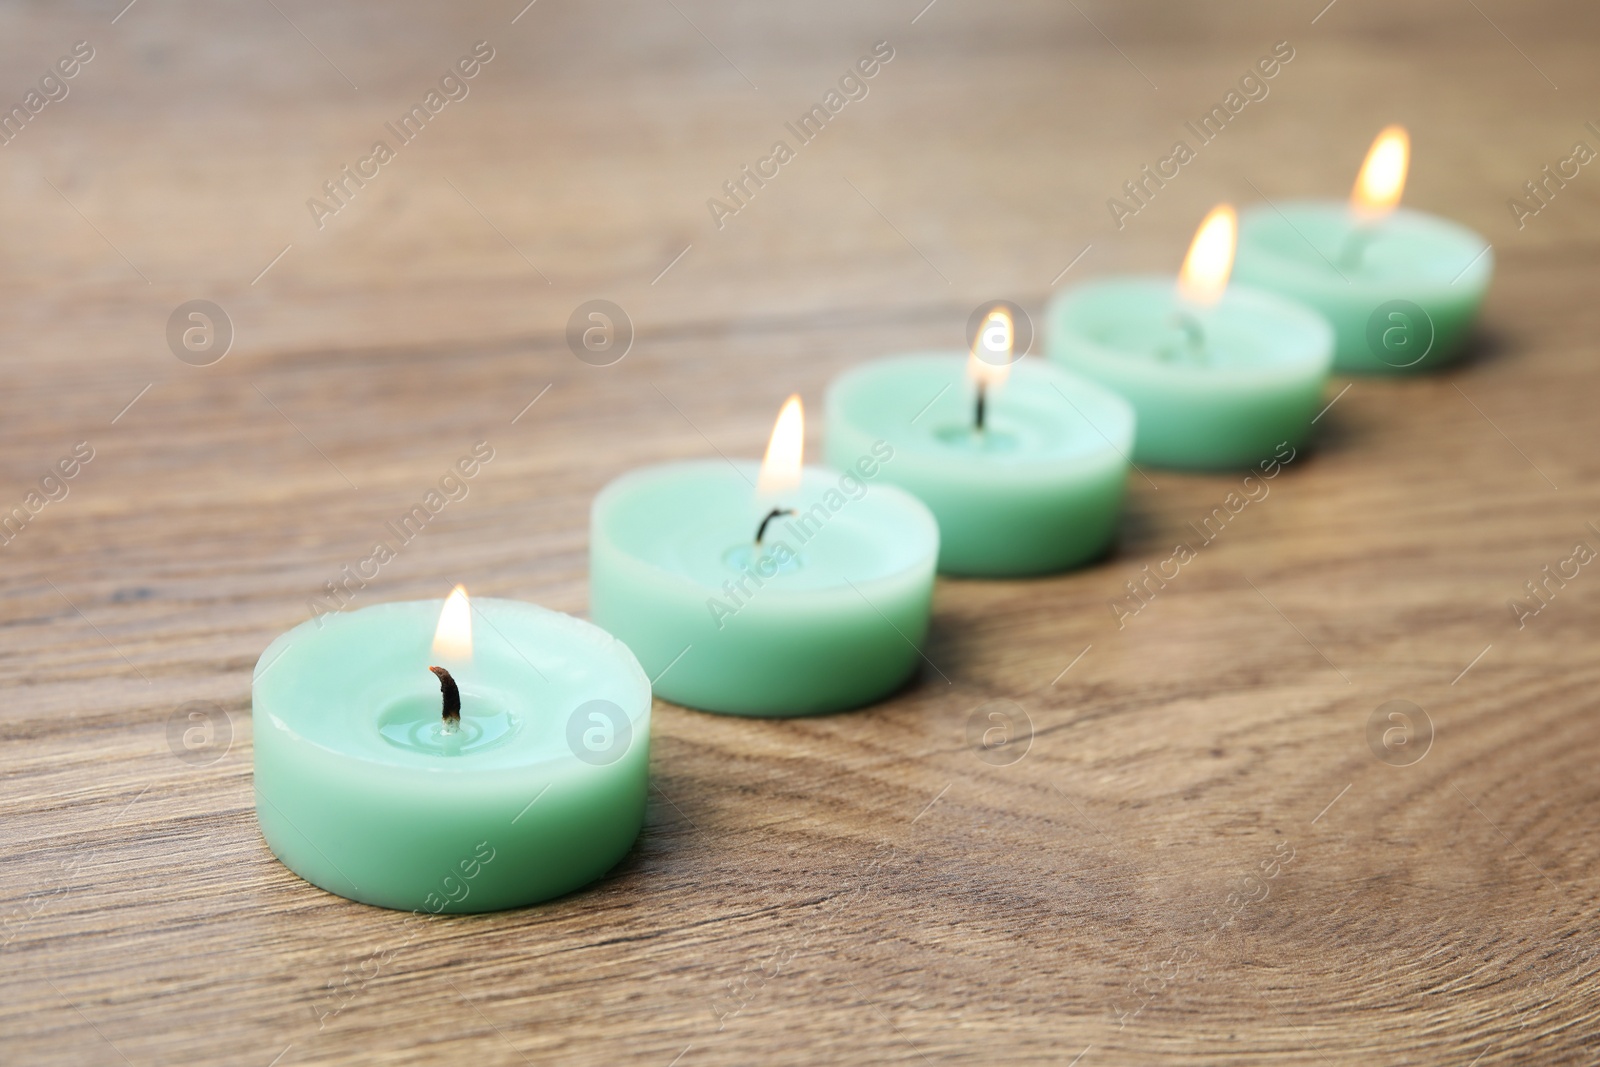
x=1383 y=175
x=780 y=470
x=1206 y=268
x=452 y=641
x=990 y=363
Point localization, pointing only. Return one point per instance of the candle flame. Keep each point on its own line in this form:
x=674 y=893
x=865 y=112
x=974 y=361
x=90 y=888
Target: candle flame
x=990 y=362
x=1383 y=175
x=452 y=640
x=1206 y=268
x=780 y=470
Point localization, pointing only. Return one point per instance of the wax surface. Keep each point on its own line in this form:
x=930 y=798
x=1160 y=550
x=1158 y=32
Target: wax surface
x=359 y=791
x=836 y=627
x=1038 y=490
x=1254 y=380
x=1312 y=251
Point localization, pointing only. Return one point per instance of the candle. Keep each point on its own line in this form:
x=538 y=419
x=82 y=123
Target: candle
x=786 y=591
x=1023 y=464
x=1218 y=375
x=1400 y=287
x=514 y=772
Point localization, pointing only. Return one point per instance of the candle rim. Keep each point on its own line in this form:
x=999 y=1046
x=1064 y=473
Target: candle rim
x=1118 y=424
x=1450 y=281
x=633 y=689
x=735 y=474
x=1312 y=328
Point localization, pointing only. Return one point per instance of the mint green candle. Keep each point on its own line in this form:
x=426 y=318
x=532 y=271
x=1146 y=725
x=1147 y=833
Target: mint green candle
x=1037 y=489
x=1213 y=387
x=1401 y=292
x=1401 y=288
x=364 y=789
x=826 y=613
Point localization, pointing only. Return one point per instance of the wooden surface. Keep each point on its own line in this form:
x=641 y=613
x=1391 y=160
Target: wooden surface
x=859 y=888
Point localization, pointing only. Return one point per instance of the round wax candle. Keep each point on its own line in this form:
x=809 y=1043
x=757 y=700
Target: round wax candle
x=828 y=613
x=360 y=789
x=1038 y=489
x=1401 y=293
x=1246 y=375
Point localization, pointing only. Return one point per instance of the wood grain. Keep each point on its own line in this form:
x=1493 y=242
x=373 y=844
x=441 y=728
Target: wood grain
x=858 y=888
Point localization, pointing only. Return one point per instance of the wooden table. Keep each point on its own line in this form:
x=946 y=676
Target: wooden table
x=1199 y=858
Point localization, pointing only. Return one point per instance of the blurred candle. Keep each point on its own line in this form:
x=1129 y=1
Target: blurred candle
x=1401 y=288
x=515 y=772
x=1023 y=464
x=787 y=590
x=1219 y=375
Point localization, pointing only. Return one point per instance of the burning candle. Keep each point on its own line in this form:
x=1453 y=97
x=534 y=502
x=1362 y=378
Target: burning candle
x=1401 y=288
x=514 y=772
x=1023 y=464
x=783 y=590
x=1219 y=375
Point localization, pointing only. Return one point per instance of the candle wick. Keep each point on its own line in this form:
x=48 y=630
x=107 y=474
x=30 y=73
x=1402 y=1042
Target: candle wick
x=1354 y=246
x=452 y=698
x=761 y=531
x=1194 y=335
x=979 y=408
